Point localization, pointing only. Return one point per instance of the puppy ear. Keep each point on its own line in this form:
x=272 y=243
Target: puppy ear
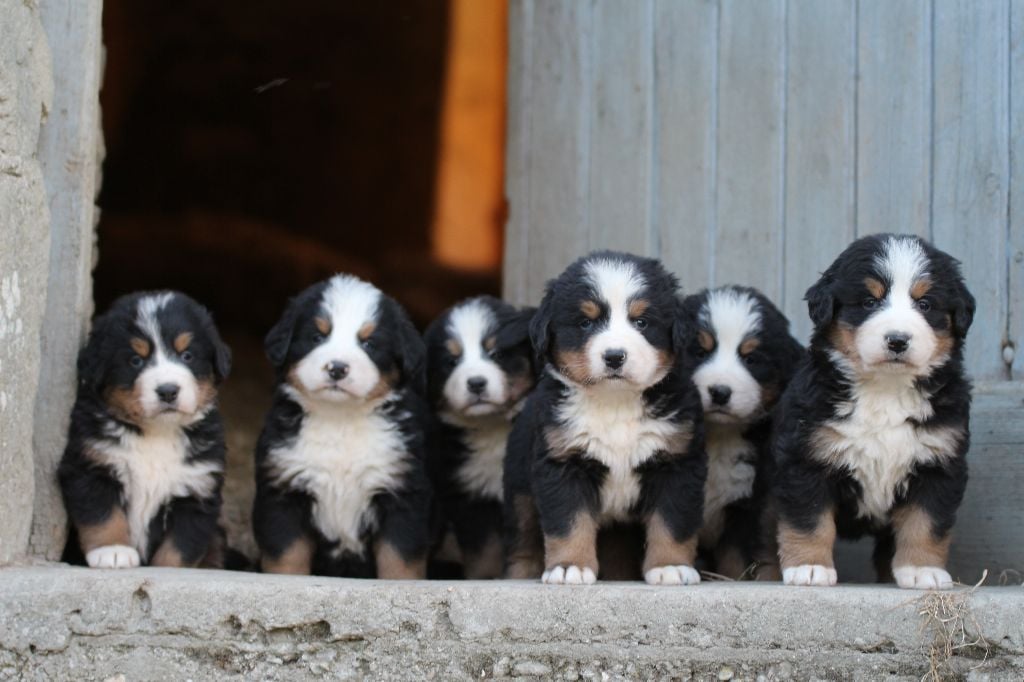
x=515 y=331
x=821 y=303
x=221 y=351
x=963 y=309
x=684 y=323
x=279 y=339
x=540 y=327
x=93 y=360
x=411 y=352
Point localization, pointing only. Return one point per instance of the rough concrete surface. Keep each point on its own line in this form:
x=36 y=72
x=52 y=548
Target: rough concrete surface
x=76 y=623
x=26 y=91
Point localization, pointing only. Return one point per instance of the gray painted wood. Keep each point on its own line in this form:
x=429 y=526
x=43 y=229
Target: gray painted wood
x=515 y=275
x=1015 y=287
x=971 y=162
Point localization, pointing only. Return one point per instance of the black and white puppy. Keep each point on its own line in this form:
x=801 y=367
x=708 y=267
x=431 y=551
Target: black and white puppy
x=480 y=366
x=144 y=464
x=613 y=432
x=742 y=358
x=341 y=483
x=873 y=430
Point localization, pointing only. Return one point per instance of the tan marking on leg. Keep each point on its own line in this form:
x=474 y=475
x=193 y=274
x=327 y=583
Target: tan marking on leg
x=797 y=548
x=296 y=560
x=182 y=341
x=169 y=556
x=663 y=549
x=323 y=325
x=113 y=531
x=916 y=543
x=920 y=288
x=638 y=306
x=875 y=288
x=577 y=548
x=214 y=557
x=591 y=309
x=140 y=346
x=526 y=555
x=486 y=563
x=392 y=566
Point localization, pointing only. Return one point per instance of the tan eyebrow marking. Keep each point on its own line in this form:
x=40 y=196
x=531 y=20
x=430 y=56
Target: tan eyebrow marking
x=749 y=345
x=638 y=306
x=590 y=309
x=490 y=342
x=920 y=288
x=366 y=330
x=182 y=341
x=323 y=325
x=706 y=341
x=876 y=288
x=454 y=347
x=140 y=346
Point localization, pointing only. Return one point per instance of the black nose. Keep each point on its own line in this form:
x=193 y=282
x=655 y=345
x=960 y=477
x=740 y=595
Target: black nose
x=476 y=385
x=898 y=342
x=167 y=393
x=615 y=358
x=337 y=370
x=719 y=394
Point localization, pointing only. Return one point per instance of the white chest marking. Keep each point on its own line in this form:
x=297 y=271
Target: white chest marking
x=343 y=456
x=482 y=472
x=152 y=470
x=610 y=424
x=731 y=473
x=877 y=444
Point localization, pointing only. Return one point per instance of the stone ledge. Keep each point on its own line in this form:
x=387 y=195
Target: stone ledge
x=58 y=622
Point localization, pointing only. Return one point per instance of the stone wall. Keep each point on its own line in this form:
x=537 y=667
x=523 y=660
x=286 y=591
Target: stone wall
x=26 y=95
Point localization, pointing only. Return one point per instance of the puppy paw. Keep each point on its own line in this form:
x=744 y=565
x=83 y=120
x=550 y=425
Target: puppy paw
x=112 y=556
x=809 y=574
x=922 y=578
x=569 y=575
x=672 y=575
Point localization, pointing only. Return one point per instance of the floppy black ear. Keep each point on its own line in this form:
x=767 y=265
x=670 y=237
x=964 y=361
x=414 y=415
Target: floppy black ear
x=221 y=351
x=821 y=303
x=93 y=361
x=540 y=327
x=684 y=322
x=279 y=338
x=412 y=353
x=963 y=309
x=515 y=331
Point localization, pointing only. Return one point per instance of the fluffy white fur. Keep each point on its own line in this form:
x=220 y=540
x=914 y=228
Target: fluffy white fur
x=570 y=575
x=733 y=316
x=164 y=367
x=923 y=577
x=468 y=324
x=485 y=437
x=810 y=574
x=672 y=575
x=112 y=556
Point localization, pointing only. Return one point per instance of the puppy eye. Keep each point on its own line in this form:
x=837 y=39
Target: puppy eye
x=318 y=337
x=700 y=353
x=368 y=344
x=869 y=303
x=749 y=359
x=923 y=305
x=586 y=323
x=640 y=323
x=186 y=357
x=137 y=361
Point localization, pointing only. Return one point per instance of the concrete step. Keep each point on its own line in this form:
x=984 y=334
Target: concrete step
x=58 y=622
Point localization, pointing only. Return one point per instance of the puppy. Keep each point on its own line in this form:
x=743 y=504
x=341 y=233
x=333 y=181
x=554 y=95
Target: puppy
x=479 y=370
x=144 y=464
x=742 y=358
x=613 y=432
x=873 y=430
x=341 y=485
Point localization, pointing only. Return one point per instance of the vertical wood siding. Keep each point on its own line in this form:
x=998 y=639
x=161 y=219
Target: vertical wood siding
x=749 y=140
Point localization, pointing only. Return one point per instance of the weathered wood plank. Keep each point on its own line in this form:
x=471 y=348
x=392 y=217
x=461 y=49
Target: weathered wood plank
x=1016 y=243
x=820 y=146
x=748 y=237
x=686 y=65
x=971 y=163
x=620 y=127
x=517 y=150
x=894 y=117
x=559 y=151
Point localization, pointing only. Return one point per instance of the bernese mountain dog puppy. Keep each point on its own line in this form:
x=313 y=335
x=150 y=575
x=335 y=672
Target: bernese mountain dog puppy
x=480 y=366
x=742 y=357
x=144 y=464
x=341 y=482
x=613 y=433
x=873 y=430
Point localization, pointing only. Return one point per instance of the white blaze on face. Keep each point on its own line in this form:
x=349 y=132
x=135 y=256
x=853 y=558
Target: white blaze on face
x=164 y=367
x=903 y=263
x=348 y=303
x=468 y=325
x=617 y=284
x=734 y=317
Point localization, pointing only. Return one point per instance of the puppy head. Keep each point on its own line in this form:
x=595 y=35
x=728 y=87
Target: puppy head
x=155 y=357
x=343 y=341
x=742 y=354
x=479 y=360
x=610 y=317
x=891 y=304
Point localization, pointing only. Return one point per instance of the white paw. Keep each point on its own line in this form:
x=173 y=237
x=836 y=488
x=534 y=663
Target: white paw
x=810 y=574
x=570 y=575
x=922 y=577
x=672 y=575
x=112 y=556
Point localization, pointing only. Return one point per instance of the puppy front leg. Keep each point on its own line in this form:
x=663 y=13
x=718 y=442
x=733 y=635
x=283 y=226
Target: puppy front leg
x=567 y=497
x=92 y=498
x=191 y=527
x=279 y=523
x=400 y=547
x=921 y=552
x=673 y=494
x=805 y=551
